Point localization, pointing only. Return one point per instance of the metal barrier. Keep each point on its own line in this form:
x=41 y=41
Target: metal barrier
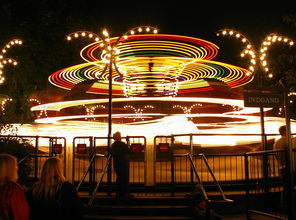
x=229 y=169
x=137 y=144
x=198 y=179
x=137 y=159
x=87 y=170
x=163 y=160
x=82 y=154
x=265 y=189
x=101 y=147
x=200 y=187
x=92 y=198
x=43 y=147
x=87 y=164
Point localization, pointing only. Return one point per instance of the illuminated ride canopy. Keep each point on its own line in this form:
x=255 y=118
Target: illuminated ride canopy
x=151 y=65
x=155 y=68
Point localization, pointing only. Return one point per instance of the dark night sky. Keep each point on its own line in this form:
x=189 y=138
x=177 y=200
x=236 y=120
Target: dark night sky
x=185 y=17
x=193 y=18
x=199 y=19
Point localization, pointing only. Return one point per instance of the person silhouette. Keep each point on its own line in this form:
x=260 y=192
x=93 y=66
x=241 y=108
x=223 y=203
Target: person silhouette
x=13 y=202
x=52 y=197
x=120 y=153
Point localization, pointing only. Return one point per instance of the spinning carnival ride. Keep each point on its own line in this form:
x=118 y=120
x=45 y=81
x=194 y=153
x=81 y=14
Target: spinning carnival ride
x=168 y=73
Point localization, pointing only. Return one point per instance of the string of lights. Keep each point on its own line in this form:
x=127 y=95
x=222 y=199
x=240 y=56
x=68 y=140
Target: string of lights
x=269 y=40
x=249 y=49
x=7 y=60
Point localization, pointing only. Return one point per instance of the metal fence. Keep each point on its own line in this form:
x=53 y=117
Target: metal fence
x=229 y=168
x=266 y=183
x=85 y=147
x=259 y=175
x=41 y=148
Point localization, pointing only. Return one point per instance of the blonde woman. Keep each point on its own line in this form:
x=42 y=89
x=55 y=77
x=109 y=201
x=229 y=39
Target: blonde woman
x=13 y=203
x=52 y=197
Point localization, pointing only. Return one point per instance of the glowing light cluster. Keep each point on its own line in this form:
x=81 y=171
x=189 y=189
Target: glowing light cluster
x=88 y=34
x=253 y=53
x=3 y=103
x=248 y=47
x=149 y=65
x=267 y=42
x=187 y=110
x=90 y=110
x=7 y=60
x=6 y=100
x=138 y=111
x=40 y=113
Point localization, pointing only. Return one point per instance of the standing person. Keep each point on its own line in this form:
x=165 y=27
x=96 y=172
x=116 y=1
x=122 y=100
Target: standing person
x=281 y=144
x=52 y=197
x=13 y=203
x=120 y=152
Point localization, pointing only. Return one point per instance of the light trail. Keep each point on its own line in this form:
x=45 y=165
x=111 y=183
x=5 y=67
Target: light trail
x=164 y=124
x=161 y=66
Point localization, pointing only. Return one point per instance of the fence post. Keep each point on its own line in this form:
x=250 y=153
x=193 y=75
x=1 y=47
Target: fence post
x=247 y=179
x=191 y=152
x=73 y=159
x=109 y=170
x=65 y=155
x=92 y=168
x=265 y=172
x=172 y=166
x=36 y=158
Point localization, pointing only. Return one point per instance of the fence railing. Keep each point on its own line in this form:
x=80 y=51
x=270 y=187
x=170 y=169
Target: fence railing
x=41 y=148
x=258 y=173
x=229 y=168
x=265 y=184
x=103 y=172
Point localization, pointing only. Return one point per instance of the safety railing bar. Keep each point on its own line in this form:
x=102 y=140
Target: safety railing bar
x=99 y=180
x=23 y=159
x=29 y=136
x=215 y=134
x=87 y=170
x=40 y=155
x=213 y=176
x=180 y=155
x=199 y=180
x=264 y=152
x=203 y=190
x=267 y=215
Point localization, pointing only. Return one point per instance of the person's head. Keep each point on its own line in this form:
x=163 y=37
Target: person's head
x=51 y=177
x=282 y=130
x=8 y=168
x=117 y=136
x=52 y=170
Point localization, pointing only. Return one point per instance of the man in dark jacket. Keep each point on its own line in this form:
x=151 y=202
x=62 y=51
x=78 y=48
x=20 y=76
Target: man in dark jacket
x=120 y=152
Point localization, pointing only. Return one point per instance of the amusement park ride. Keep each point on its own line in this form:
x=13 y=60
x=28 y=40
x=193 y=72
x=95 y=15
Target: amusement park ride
x=157 y=84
